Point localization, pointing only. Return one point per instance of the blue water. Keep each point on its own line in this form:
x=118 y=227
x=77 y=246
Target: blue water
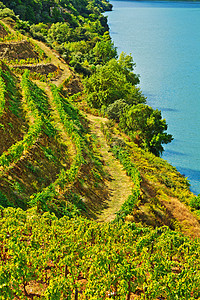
x=164 y=40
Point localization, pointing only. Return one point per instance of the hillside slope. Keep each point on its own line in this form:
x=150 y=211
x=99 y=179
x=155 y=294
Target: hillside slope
x=51 y=158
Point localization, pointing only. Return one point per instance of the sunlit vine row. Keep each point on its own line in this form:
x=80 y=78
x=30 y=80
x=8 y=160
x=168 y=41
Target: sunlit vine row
x=15 y=152
x=65 y=177
x=2 y=93
x=12 y=37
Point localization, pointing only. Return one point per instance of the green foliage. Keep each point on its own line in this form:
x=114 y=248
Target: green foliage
x=146 y=126
x=60 y=23
x=22 y=26
x=104 y=51
x=2 y=5
x=4 y=201
x=195 y=202
x=11 y=91
x=35 y=105
x=38 y=103
x=6 y=12
x=46 y=11
x=111 y=258
x=39 y=31
x=133 y=199
x=115 y=109
x=127 y=65
x=14 y=153
x=108 y=84
x=59 y=33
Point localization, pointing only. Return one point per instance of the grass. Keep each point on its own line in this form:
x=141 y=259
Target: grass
x=118 y=183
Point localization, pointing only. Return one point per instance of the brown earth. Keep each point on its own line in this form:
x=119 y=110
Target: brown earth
x=43 y=69
x=17 y=50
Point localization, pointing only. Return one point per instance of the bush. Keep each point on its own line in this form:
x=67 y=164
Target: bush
x=146 y=127
x=195 y=202
x=108 y=84
x=6 y=12
x=22 y=26
x=39 y=31
x=115 y=109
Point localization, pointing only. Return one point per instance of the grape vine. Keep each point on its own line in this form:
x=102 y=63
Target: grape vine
x=81 y=259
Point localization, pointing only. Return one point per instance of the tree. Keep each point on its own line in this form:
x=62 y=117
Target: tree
x=59 y=33
x=115 y=109
x=104 y=51
x=146 y=126
x=6 y=12
x=127 y=65
x=108 y=84
x=39 y=31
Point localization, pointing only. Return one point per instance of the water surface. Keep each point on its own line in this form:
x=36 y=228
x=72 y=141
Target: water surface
x=164 y=39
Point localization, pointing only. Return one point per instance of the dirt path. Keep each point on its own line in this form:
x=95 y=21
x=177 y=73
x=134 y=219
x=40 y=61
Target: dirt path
x=119 y=184
x=57 y=61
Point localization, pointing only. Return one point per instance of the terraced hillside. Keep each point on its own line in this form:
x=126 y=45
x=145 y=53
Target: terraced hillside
x=52 y=156
x=43 y=146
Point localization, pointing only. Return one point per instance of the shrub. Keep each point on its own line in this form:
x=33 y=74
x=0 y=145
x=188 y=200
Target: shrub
x=146 y=127
x=6 y=12
x=115 y=109
x=195 y=202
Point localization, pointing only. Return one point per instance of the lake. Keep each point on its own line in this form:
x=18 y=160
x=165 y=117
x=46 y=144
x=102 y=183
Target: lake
x=164 y=40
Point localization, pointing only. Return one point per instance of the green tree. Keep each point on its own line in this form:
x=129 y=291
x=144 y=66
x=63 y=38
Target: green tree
x=108 y=84
x=6 y=12
x=195 y=202
x=39 y=31
x=115 y=109
x=146 y=126
x=127 y=65
x=59 y=33
x=104 y=51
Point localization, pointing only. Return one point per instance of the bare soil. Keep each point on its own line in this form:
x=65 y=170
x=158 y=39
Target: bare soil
x=43 y=69
x=17 y=50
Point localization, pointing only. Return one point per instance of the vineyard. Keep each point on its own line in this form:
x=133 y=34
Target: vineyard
x=55 y=183
x=42 y=144
x=43 y=257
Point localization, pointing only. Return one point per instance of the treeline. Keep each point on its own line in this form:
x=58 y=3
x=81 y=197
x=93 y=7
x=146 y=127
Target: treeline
x=46 y=11
x=78 y=31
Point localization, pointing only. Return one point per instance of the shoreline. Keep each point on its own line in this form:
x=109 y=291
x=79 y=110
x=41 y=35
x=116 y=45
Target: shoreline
x=176 y=158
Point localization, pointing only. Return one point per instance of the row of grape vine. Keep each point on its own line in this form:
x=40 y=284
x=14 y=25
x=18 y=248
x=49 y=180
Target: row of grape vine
x=81 y=259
